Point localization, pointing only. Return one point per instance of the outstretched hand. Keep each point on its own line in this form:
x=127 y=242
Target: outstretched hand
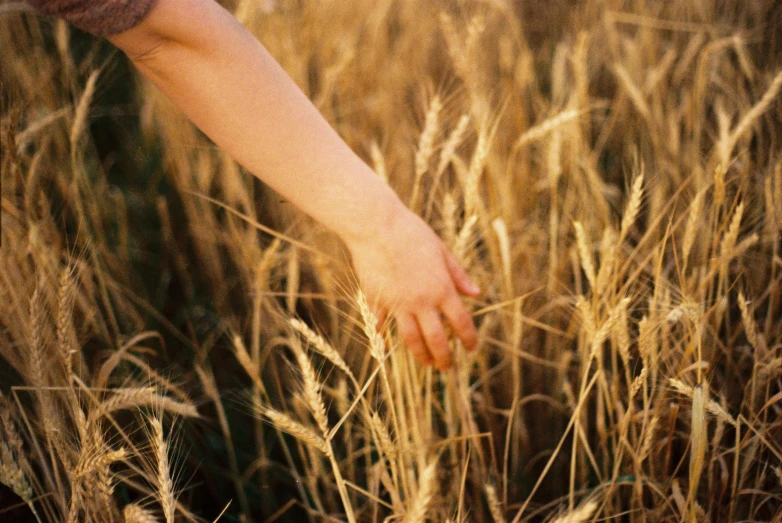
x=407 y=272
x=234 y=91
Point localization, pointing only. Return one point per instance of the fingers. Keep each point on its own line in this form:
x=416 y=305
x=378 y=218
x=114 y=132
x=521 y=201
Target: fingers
x=421 y=314
x=426 y=338
x=436 y=340
x=460 y=278
x=461 y=321
x=411 y=335
x=424 y=334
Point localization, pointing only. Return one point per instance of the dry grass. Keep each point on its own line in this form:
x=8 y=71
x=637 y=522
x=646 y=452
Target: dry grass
x=609 y=174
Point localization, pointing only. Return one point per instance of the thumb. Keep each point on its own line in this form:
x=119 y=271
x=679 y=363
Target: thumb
x=459 y=276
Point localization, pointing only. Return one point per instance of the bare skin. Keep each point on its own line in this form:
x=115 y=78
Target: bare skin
x=226 y=82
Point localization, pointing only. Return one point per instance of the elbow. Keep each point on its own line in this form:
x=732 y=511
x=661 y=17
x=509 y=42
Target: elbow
x=170 y=25
x=144 y=48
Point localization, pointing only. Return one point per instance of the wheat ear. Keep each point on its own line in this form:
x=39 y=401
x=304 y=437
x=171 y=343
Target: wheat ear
x=423 y=498
x=164 y=483
x=579 y=515
x=135 y=513
x=321 y=346
x=295 y=429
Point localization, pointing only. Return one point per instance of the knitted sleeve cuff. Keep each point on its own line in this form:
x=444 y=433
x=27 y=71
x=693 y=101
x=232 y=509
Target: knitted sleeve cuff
x=99 y=17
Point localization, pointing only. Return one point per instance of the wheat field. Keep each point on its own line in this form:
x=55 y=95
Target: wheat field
x=178 y=344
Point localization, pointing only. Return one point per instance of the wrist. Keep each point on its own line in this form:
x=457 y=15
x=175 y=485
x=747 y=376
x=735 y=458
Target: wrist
x=381 y=209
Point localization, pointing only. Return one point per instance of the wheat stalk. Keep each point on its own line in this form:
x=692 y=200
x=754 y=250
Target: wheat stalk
x=425 y=147
x=377 y=347
x=649 y=438
x=495 y=507
x=750 y=327
x=587 y=263
x=384 y=439
x=164 y=482
x=321 y=346
x=542 y=129
x=633 y=91
x=447 y=156
x=633 y=205
x=690 y=228
x=312 y=392
x=97 y=459
x=12 y=475
x=465 y=238
x=65 y=338
x=127 y=398
x=295 y=429
x=82 y=109
x=729 y=239
x=36 y=330
x=698 y=441
x=638 y=382
x=452 y=143
x=579 y=515
x=135 y=513
x=710 y=405
x=609 y=246
x=472 y=181
x=753 y=114
x=423 y=498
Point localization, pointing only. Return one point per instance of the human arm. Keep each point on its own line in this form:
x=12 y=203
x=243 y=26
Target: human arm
x=225 y=81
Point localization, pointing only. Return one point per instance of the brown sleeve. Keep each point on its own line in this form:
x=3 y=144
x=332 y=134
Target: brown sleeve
x=99 y=17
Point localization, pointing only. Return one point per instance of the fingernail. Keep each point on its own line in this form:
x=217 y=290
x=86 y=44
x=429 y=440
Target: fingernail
x=474 y=288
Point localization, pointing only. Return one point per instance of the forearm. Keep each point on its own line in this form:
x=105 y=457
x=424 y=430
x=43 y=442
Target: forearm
x=238 y=95
x=229 y=86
